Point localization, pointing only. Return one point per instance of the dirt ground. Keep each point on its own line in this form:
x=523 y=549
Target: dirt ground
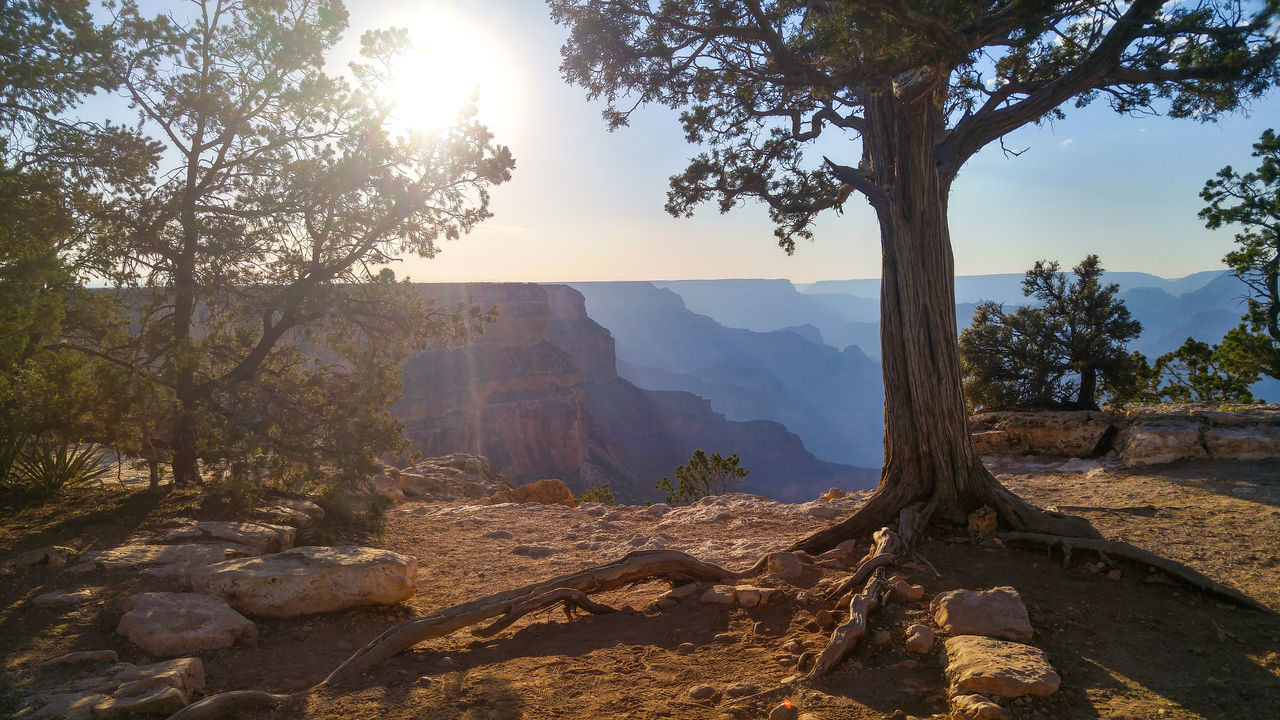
x=1127 y=647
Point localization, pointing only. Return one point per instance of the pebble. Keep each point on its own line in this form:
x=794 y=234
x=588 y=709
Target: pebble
x=759 y=628
x=786 y=660
x=786 y=710
x=825 y=619
x=740 y=689
x=920 y=639
x=701 y=692
x=686 y=648
x=882 y=637
x=794 y=645
x=726 y=637
x=446 y=662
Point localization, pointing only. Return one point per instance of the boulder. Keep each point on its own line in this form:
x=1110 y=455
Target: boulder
x=158 y=689
x=977 y=664
x=262 y=537
x=998 y=612
x=307 y=580
x=1256 y=442
x=786 y=565
x=546 y=492
x=450 y=477
x=167 y=624
x=386 y=485
x=832 y=494
x=1157 y=443
x=172 y=557
x=1061 y=434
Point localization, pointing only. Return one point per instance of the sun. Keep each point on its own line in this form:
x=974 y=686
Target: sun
x=453 y=62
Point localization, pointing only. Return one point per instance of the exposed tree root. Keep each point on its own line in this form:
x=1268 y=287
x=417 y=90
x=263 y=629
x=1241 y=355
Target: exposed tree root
x=215 y=706
x=1125 y=550
x=570 y=597
x=844 y=637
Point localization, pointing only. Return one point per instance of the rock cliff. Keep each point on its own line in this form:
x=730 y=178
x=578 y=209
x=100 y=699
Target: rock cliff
x=539 y=395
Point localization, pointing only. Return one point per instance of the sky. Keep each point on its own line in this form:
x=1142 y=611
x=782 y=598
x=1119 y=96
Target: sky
x=587 y=204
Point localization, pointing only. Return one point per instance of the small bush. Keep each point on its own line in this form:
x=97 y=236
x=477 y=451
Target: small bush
x=602 y=494
x=703 y=476
x=42 y=468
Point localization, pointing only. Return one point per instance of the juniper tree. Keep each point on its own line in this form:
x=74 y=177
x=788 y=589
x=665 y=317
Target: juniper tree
x=1060 y=352
x=1252 y=201
x=923 y=86
x=254 y=253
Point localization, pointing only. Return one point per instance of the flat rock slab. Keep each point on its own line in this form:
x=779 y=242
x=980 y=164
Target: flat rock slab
x=175 y=556
x=977 y=664
x=998 y=612
x=307 y=580
x=159 y=689
x=167 y=624
x=262 y=537
x=64 y=598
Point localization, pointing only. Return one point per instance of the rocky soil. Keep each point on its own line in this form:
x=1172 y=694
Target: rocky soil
x=1125 y=643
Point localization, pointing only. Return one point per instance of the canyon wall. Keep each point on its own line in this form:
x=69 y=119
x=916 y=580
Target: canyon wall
x=539 y=395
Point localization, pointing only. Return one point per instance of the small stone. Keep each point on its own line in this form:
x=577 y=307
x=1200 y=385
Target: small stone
x=1215 y=683
x=741 y=689
x=904 y=590
x=702 y=692
x=978 y=664
x=1115 y=574
x=534 y=550
x=794 y=645
x=84 y=657
x=497 y=535
x=976 y=707
x=907 y=664
x=726 y=637
x=759 y=628
x=825 y=619
x=719 y=595
x=667 y=604
x=657 y=509
x=833 y=494
x=919 y=639
x=786 y=710
x=748 y=597
x=786 y=660
x=812 y=626
x=785 y=565
x=686 y=648
x=446 y=662
x=682 y=592
x=881 y=637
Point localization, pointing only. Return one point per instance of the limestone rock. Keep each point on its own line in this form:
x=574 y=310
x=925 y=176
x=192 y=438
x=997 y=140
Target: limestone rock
x=262 y=537
x=904 y=589
x=1061 y=434
x=450 y=477
x=173 y=557
x=158 y=689
x=657 y=509
x=308 y=580
x=976 y=707
x=998 y=612
x=167 y=624
x=534 y=550
x=55 y=556
x=546 y=492
x=977 y=664
x=786 y=565
x=1257 y=442
x=719 y=595
x=64 y=598
x=832 y=494
x=920 y=639
x=386 y=485
x=786 y=710
x=1154 y=443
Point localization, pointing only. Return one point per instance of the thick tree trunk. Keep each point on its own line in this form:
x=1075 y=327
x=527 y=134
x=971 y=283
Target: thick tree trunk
x=929 y=455
x=1086 y=399
x=183 y=433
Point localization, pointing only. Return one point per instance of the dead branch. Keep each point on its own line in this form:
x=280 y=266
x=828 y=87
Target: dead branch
x=846 y=636
x=569 y=596
x=1131 y=552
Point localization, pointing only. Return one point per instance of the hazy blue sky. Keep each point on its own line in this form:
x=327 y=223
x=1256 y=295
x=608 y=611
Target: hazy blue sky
x=585 y=204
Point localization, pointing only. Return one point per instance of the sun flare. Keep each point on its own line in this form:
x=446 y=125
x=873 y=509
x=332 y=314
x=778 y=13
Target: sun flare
x=452 y=63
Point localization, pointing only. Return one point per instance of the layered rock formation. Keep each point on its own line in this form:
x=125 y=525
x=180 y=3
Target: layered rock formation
x=539 y=395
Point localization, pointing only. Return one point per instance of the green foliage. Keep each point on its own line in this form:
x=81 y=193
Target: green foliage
x=1065 y=351
x=1252 y=201
x=41 y=468
x=1198 y=372
x=703 y=476
x=757 y=83
x=602 y=494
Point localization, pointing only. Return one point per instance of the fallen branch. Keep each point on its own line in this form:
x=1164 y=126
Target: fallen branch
x=1123 y=549
x=570 y=597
